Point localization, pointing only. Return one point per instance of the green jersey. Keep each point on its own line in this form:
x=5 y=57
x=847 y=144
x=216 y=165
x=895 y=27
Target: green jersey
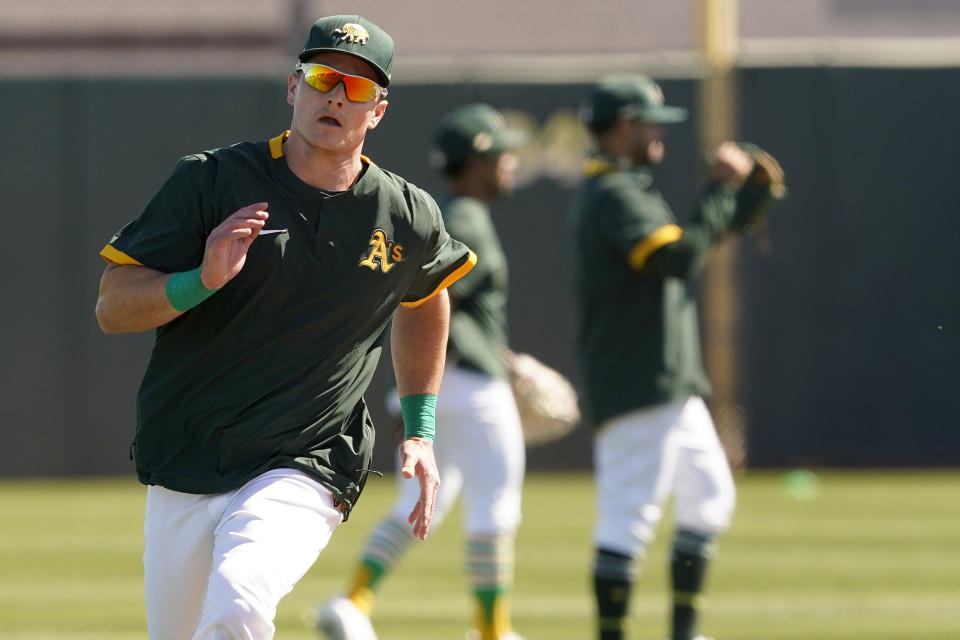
x=639 y=340
x=270 y=371
x=478 y=323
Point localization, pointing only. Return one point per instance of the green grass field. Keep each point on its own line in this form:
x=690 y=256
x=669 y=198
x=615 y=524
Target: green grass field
x=871 y=556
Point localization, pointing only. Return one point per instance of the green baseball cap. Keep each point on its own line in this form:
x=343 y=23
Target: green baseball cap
x=633 y=97
x=473 y=129
x=356 y=36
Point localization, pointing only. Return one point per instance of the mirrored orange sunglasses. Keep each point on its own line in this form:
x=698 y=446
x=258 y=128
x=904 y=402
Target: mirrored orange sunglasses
x=324 y=78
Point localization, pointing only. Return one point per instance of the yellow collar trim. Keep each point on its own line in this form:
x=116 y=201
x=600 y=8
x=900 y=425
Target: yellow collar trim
x=599 y=166
x=276 y=147
x=276 y=144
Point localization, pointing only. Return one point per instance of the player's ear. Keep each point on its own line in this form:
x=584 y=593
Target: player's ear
x=292 y=81
x=378 y=112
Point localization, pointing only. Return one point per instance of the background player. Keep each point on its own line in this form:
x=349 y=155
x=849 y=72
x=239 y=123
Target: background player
x=252 y=429
x=482 y=449
x=636 y=270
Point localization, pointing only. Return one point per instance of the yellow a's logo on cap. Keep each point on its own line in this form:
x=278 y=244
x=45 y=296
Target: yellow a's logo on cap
x=353 y=33
x=482 y=142
x=655 y=94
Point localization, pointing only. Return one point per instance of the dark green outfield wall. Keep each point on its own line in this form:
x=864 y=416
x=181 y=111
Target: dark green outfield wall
x=849 y=326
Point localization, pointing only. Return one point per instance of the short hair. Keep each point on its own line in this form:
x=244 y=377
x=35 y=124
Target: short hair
x=455 y=169
x=599 y=128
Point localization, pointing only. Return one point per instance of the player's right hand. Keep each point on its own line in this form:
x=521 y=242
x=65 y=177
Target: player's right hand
x=730 y=164
x=417 y=460
x=227 y=245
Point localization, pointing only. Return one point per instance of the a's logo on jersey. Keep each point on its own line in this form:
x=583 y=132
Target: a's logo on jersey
x=384 y=254
x=353 y=33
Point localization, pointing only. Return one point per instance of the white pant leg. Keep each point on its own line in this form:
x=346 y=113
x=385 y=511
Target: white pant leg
x=178 y=552
x=704 y=492
x=490 y=452
x=269 y=535
x=635 y=457
x=479 y=447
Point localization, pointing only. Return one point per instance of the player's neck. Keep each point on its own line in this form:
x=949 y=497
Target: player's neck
x=322 y=169
x=616 y=152
x=463 y=186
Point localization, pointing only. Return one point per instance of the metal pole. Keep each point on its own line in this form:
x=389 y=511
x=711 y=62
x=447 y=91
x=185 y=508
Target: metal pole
x=717 y=107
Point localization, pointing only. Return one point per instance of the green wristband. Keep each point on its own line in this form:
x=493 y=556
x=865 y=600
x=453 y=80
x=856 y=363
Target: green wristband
x=185 y=290
x=419 y=415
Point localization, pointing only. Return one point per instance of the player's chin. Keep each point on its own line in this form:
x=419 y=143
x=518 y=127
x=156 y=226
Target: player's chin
x=326 y=131
x=329 y=138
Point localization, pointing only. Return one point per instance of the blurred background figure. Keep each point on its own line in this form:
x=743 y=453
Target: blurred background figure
x=480 y=446
x=635 y=273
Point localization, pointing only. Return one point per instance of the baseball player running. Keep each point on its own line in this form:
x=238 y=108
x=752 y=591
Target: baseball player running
x=636 y=269
x=482 y=449
x=270 y=271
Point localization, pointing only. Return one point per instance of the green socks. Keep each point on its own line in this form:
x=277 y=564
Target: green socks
x=613 y=577
x=614 y=574
x=688 y=567
x=490 y=570
x=385 y=546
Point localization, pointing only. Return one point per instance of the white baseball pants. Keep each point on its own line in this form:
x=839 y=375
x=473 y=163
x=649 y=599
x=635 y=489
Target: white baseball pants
x=644 y=457
x=479 y=449
x=216 y=566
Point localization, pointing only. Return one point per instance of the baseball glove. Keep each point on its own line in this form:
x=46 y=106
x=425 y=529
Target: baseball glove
x=763 y=188
x=546 y=400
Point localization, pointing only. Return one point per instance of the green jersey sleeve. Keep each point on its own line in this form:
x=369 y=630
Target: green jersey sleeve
x=444 y=259
x=684 y=255
x=635 y=222
x=171 y=232
x=468 y=222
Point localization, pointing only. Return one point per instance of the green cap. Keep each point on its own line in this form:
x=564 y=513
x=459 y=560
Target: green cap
x=633 y=97
x=356 y=36
x=473 y=129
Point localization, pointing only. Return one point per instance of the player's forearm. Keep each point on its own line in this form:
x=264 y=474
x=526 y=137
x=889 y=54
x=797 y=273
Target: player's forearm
x=133 y=298
x=418 y=344
x=714 y=209
x=684 y=258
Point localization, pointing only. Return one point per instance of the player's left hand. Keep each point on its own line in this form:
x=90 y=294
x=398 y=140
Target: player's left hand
x=762 y=189
x=417 y=459
x=731 y=164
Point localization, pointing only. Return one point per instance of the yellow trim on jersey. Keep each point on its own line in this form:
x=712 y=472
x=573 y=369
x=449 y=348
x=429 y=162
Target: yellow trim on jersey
x=449 y=280
x=112 y=254
x=593 y=167
x=661 y=236
x=276 y=144
x=276 y=147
